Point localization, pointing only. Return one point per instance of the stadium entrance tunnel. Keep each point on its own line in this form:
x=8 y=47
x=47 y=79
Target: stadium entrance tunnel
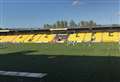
x=61 y=68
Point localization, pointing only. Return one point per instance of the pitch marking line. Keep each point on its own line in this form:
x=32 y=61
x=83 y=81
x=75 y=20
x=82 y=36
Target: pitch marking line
x=23 y=74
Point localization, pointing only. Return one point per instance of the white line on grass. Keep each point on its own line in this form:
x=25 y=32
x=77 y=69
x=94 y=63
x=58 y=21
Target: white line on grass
x=23 y=74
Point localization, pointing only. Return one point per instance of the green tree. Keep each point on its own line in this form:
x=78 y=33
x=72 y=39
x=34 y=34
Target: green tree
x=88 y=24
x=54 y=26
x=65 y=24
x=46 y=26
x=72 y=24
x=82 y=24
x=58 y=24
x=92 y=23
x=62 y=24
x=115 y=25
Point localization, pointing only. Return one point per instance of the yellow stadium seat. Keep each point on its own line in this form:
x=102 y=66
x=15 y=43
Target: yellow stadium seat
x=5 y=38
x=98 y=37
x=28 y=37
x=110 y=37
x=45 y=38
x=80 y=37
x=72 y=37
x=36 y=38
x=116 y=37
x=87 y=37
x=20 y=38
x=2 y=37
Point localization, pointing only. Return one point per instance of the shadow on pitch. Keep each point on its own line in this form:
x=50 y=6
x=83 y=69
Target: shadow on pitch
x=64 y=68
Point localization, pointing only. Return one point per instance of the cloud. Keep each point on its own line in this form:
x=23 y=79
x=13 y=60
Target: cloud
x=118 y=13
x=76 y=3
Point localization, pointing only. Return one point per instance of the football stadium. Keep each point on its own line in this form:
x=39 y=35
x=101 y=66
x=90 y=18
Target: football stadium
x=51 y=41
x=59 y=40
x=67 y=55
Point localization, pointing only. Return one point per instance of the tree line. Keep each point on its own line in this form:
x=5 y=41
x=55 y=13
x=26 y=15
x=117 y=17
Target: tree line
x=71 y=24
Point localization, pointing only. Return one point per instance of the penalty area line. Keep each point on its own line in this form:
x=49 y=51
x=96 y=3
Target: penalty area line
x=23 y=74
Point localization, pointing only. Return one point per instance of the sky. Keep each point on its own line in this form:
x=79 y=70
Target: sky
x=35 y=13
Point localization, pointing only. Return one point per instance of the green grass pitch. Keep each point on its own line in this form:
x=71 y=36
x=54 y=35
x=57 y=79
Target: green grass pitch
x=83 y=49
x=98 y=62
